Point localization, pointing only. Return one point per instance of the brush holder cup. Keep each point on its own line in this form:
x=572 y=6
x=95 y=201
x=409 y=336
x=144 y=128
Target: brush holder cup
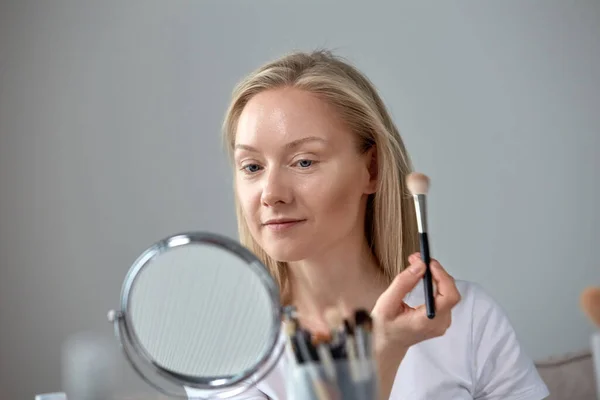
x=352 y=381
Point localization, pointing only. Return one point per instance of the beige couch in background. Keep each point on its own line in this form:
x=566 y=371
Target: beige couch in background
x=569 y=377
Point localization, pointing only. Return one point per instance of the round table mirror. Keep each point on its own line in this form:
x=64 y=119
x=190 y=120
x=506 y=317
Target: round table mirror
x=199 y=311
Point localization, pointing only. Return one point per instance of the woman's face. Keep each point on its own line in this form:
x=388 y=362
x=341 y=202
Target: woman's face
x=300 y=180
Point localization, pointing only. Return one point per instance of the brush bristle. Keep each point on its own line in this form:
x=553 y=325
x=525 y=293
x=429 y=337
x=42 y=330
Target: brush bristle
x=417 y=183
x=334 y=319
x=362 y=317
x=320 y=337
x=289 y=328
x=590 y=302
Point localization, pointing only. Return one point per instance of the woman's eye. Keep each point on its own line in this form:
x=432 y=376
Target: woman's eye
x=251 y=168
x=305 y=163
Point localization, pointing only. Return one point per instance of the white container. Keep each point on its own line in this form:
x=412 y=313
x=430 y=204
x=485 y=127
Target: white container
x=51 y=396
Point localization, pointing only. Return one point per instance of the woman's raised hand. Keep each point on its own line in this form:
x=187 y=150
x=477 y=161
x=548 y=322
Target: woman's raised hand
x=397 y=326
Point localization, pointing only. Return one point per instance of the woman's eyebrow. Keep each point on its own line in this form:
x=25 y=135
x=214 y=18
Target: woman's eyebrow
x=291 y=145
x=245 y=147
x=298 y=142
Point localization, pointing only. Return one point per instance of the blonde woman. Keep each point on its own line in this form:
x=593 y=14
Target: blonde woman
x=319 y=183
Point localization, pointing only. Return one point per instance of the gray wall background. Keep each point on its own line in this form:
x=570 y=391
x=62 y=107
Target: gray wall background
x=109 y=140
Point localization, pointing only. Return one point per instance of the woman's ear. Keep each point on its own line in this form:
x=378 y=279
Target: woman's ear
x=373 y=168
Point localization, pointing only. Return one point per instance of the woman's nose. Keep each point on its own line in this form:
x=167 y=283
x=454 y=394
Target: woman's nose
x=276 y=190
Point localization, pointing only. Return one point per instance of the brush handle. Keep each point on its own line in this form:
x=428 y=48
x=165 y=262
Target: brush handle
x=427 y=278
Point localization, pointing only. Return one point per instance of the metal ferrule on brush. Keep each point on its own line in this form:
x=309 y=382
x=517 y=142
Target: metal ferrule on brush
x=421 y=208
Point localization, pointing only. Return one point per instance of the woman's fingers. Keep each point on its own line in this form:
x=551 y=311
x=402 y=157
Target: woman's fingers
x=399 y=326
x=432 y=327
x=414 y=258
x=391 y=301
x=447 y=295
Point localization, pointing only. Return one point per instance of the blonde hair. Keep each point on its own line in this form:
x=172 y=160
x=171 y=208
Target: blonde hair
x=390 y=224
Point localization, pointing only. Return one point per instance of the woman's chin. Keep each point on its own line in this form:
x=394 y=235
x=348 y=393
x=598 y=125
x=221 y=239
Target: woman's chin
x=286 y=253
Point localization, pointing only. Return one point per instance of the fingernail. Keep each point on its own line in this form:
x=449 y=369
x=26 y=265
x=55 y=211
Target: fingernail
x=416 y=268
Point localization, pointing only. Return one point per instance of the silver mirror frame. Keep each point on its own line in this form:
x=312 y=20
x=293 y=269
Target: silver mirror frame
x=219 y=387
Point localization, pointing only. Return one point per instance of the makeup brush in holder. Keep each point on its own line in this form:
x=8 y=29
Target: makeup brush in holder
x=590 y=303
x=336 y=365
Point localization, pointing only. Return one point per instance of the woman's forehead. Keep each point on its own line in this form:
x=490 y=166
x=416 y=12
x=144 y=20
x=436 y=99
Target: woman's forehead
x=286 y=117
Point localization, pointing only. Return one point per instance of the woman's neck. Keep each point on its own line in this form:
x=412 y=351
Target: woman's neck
x=346 y=276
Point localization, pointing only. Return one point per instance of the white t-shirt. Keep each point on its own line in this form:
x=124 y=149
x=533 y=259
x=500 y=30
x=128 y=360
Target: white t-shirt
x=479 y=357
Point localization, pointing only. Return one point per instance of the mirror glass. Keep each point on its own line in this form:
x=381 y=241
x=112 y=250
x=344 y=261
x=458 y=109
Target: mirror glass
x=201 y=309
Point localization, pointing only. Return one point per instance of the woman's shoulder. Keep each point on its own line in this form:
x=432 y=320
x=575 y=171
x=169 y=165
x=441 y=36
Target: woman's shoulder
x=472 y=290
x=481 y=305
x=479 y=321
x=479 y=353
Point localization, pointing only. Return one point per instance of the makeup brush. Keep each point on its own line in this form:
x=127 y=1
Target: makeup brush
x=351 y=351
x=349 y=337
x=334 y=321
x=418 y=185
x=313 y=373
x=291 y=327
x=291 y=345
x=363 y=326
x=590 y=303
x=298 y=348
x=320 y=341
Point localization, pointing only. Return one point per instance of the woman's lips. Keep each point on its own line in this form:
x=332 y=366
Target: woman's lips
x=283 y=225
